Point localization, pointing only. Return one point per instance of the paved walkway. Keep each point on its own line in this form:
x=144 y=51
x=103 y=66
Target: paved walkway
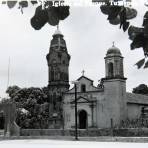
x=70 y=138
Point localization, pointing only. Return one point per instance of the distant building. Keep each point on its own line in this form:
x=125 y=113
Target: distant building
x=98 y=106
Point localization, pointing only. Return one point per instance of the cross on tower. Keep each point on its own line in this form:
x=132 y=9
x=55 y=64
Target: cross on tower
x=113 y=44
x=83 y=71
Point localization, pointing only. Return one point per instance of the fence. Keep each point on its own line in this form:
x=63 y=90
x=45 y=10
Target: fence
x=125 y=132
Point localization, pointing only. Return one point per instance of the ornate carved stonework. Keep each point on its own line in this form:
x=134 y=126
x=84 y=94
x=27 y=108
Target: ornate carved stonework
x=58 y=75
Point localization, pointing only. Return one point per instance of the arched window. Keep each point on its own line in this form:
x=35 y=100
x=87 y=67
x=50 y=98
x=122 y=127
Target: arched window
x=110 y=70
x=64 y=62
x=83 y=88
x=58 y=75
x=52 y=74
x=54 y=100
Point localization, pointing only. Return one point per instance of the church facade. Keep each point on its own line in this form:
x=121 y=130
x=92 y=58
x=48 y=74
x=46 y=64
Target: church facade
x=101 y=106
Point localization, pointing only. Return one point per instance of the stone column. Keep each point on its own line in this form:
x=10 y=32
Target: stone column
x=92 y=114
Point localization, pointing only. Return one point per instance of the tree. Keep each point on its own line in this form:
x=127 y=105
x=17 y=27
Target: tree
x=121 y=15
x=50 y=12
x=31 y=105
x=141 y=89
x=12 y=90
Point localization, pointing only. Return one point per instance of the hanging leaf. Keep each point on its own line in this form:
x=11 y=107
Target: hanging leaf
x=115 y=21
x=39 y=19
x=140 y=63
x=146 y=30
x=145 y=22
x=63 y=12
x=134 y=31
x=145 y=47
x=4 y=2
x=52 y=16
x=11 y=4
x=118 y=14
x=33 y=2
x=123 y=19
x=138 y=41
x=130 y=13
x=146 y=64
x=122 y=16
x=146 y=14
x=125 y=26
x=114 y=12
x=23 y=4
x=105 y=9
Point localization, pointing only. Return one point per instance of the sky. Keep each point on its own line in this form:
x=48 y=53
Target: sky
x=88 y=35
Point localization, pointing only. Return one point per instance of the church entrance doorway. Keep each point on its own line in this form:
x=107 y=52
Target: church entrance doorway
x=2 y=123
x=82 y=119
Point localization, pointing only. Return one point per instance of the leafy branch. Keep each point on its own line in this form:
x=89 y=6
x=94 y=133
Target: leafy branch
x=50 y=12
x=120 y=15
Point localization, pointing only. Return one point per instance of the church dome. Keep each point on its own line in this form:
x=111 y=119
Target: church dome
x=58 y=41
x=113 y=50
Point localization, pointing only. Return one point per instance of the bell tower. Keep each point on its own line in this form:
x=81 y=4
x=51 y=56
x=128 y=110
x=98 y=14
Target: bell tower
x=58 y=76
x=114 y=63
x=114 y=88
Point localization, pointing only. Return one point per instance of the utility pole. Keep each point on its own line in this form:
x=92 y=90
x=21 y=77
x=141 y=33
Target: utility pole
x=76 y=124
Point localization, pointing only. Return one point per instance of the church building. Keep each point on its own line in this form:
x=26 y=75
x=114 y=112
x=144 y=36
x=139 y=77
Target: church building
x=102 y=106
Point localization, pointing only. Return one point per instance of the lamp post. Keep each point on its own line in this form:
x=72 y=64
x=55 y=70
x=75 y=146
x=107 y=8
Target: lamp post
x=76 y=128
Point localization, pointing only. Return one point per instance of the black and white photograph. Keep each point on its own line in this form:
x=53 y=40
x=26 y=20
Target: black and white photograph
x=74 y=73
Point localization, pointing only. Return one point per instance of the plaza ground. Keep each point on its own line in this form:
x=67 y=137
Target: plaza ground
x=44 y=143
x=71 y=139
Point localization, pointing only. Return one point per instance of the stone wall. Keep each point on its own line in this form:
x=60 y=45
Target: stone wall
x=10 y=126
x=40 y=132
x=135 y=102
x=60 y=132
x=132 y=132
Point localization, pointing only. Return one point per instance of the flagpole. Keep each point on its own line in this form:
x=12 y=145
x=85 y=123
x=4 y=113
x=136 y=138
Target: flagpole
x=8 y=76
